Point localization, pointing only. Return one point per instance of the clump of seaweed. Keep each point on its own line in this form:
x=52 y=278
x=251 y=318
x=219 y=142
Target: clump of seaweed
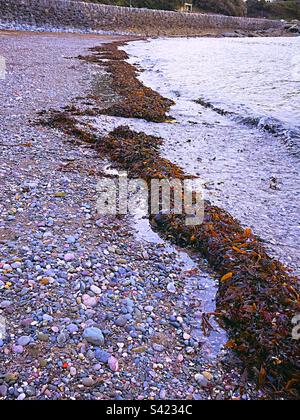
x=67 y=123
x=135 y=99
x=139 y=154
x=110 y=51
x=257 y=297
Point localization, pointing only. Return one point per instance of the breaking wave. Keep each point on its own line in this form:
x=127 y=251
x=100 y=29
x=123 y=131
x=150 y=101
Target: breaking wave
x=289 y=135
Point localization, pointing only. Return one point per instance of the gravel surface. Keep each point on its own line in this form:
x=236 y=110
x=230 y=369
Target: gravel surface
x=12 y=26
x=92 y=310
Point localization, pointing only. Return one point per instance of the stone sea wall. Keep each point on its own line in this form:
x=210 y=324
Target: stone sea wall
x=68 y=14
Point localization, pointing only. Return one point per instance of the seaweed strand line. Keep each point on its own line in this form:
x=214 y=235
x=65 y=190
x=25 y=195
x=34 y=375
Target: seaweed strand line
x=257 y=296
x=135 y=99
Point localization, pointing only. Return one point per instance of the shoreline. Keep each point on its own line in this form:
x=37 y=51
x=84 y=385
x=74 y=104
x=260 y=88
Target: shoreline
x=225 y=145
x=247 y=246
x=79 y=133
x=204 y=33
x=64 y=269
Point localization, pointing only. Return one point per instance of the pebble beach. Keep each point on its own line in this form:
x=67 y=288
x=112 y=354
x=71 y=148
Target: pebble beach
x=91 y=311
x=92 y=307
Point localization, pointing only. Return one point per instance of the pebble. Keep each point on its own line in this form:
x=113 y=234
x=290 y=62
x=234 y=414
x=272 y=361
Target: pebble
x=5 y=304
x=11 y=377
x=201 y=380
x=94 y=336
x=69 y=257
x=73 y=371
x=121 y=321
x=62 y=338
x=47 y=318
x=113 y=364
x=24 y=341
x=43 y=363
x=158 y=347
x=71 y=240
x=162 y=394
x=121 y=261
x=18 y=349
x=88 y=382
x=43 y=337
x=96 y=290
x=72 y=328
x=3 y=391
x=16 y=265
x=89 y=301
x=102 y=355
x=171 y=288
x=208 y=376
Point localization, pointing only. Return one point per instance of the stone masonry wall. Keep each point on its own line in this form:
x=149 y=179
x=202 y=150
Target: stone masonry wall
x=67 y=14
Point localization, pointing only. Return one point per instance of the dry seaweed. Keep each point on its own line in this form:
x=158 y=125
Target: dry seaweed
x=135 y=99
x=66 y=122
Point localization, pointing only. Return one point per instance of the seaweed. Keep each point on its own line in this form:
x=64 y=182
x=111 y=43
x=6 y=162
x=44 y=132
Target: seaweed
x=139 y=154
x=134 y=99
x=66 y=122
x=257 y=297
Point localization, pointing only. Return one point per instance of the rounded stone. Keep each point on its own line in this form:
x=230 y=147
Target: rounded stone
x=88 y=382
x=94 y=336
x=202 y=381
x=24 y=341
x=121 y=321
x=69 y=257
x=102 y=355
x=18 y=349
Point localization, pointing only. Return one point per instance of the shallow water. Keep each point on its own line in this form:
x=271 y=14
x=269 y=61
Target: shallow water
x=258 y=80
x=199 y=283
x=251 y=173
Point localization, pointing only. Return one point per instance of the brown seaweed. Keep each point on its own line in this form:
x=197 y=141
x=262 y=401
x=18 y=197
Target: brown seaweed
x=257 y=296
x=134 y=99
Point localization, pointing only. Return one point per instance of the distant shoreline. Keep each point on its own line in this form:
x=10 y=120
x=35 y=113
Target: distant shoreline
x=98 y=18
x=209 y=33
